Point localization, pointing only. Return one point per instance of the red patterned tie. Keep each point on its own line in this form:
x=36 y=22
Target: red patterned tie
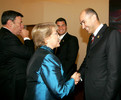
x=92 y=40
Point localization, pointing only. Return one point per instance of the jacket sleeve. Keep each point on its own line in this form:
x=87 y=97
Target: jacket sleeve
x=52 y=75
x=83 y=65
x=82 y=69
x=20 y=50
x=113 y=51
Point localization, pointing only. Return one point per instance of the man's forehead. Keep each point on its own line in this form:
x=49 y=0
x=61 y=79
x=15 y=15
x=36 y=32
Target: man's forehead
x=83 y=13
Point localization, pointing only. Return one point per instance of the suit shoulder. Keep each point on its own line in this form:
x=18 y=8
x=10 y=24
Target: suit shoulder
x=48 y=56
x=72 y=37
x=5 y=34
x=113 y=31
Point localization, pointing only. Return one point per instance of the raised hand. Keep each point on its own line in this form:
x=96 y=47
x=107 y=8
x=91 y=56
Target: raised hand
x=24 y=33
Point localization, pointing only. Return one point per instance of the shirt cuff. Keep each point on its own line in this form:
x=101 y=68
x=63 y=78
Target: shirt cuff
x=26 y=38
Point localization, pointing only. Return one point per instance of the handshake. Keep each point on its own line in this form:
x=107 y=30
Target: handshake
x=77 y=77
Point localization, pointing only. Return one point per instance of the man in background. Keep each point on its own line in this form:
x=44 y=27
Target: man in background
x=68 y=50
x=14 y=56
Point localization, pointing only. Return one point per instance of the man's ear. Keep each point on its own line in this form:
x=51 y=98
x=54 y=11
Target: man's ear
x=10 y=23
x=94 y=17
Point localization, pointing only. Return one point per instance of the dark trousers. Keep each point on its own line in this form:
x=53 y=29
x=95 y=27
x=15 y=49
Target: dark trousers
x=20 y=89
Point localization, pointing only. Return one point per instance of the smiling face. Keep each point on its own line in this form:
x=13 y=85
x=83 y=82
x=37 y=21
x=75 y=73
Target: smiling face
x=87 y=22
x=62 y=27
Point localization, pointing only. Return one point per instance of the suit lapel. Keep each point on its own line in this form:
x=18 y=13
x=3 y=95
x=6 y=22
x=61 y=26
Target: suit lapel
x=99 y=36
x=62 y=42
x=96 y=40
x=64 y=39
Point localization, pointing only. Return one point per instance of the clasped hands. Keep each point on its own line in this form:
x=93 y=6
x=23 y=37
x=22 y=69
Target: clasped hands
x=76 y=76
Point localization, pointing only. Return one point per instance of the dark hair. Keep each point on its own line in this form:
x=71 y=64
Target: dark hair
x=91 y=11
x=9 y=15
x=61 y=19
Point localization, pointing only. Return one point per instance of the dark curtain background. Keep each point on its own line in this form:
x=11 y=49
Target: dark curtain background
x=115 y=14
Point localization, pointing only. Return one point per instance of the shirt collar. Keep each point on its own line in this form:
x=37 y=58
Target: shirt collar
x=60 y=37
x=97 y=30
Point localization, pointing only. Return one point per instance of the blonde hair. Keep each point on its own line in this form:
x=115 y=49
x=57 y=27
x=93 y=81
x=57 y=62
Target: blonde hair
x=42 y=31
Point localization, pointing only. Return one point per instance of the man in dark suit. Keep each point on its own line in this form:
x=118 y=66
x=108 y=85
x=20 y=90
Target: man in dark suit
x=68 y=50
x=101 y=68
x=14 y=56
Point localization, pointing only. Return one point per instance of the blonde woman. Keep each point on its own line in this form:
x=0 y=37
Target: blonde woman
x=45 y=80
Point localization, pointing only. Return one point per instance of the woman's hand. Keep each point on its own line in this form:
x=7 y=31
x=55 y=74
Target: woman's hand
x=76 y=76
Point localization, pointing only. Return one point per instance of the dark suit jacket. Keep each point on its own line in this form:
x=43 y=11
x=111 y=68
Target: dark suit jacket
x=101 y=68
x=67 y=53
x=14 y=57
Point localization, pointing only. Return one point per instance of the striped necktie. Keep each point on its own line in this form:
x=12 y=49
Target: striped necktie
x=93 y=37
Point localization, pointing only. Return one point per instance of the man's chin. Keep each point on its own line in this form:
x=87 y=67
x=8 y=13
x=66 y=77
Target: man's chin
x=60 y=34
